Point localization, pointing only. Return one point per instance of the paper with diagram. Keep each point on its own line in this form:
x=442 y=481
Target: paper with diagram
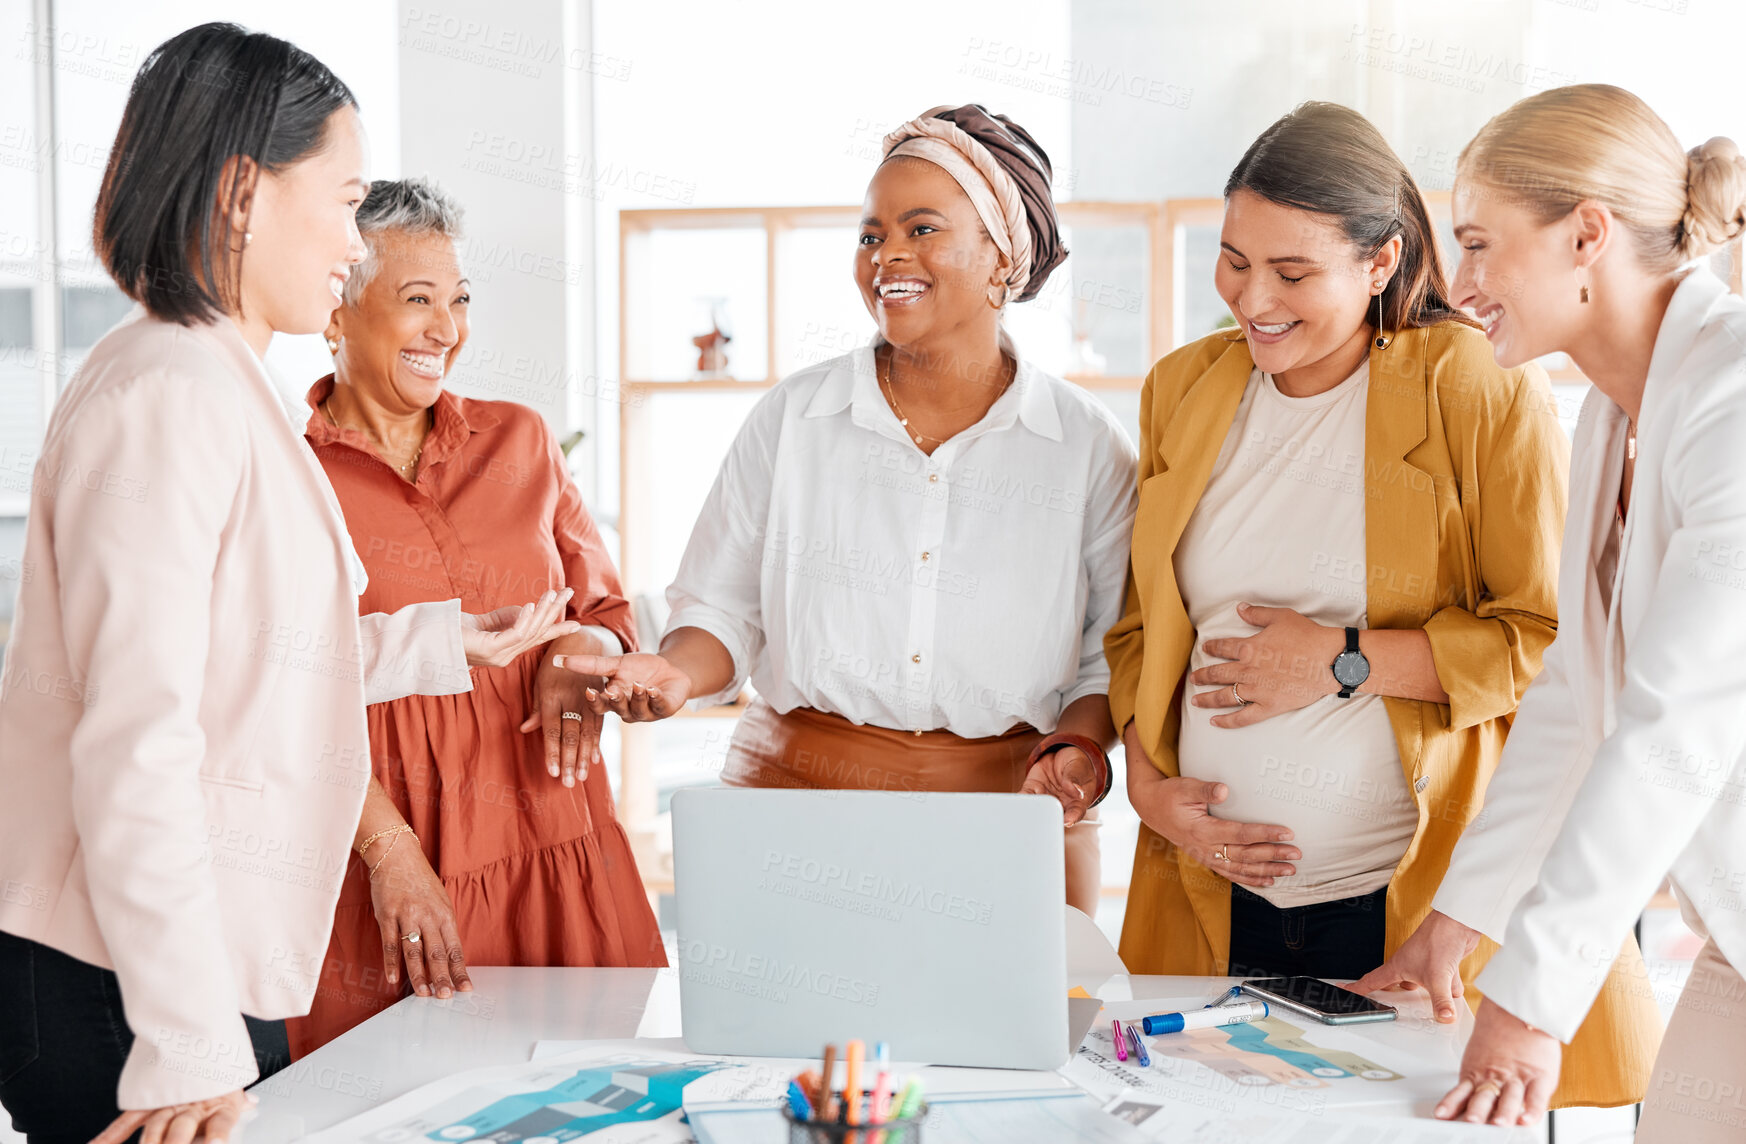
x=606 y=1097
x=1284 y=1062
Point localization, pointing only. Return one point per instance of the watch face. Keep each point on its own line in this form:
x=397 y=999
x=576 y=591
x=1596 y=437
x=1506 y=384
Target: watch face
x=1351 y=668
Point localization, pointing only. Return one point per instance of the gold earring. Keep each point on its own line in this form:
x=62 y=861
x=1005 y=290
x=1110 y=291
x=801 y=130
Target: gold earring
x=333 y=345
x=1006 y=294
x=1582 y=284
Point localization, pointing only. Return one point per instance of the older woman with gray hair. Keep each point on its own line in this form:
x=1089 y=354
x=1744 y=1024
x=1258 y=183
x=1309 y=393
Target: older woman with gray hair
x=513 y=854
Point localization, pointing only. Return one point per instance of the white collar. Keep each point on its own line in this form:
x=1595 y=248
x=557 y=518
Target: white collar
x=851 y=382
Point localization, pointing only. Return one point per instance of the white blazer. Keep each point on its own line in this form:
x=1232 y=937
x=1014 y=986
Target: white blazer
x=1625 y=761
x=183 y=752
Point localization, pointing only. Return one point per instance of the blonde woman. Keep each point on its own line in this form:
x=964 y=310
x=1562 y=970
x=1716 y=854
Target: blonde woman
x=1577 y=213
x=1343 y=579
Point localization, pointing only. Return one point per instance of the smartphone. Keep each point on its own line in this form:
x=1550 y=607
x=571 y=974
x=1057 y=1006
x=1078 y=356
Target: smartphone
x=1313 y=997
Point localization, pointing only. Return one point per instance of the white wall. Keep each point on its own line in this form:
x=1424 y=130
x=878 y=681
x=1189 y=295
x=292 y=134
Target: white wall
x=496 y=105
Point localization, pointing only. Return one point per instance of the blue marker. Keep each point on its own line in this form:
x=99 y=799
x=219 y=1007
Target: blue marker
x=1204 y=1018
x=1140 y=1048
x=798 y=1105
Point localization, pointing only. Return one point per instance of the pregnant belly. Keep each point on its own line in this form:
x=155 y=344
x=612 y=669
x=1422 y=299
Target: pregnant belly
x=1329 y=772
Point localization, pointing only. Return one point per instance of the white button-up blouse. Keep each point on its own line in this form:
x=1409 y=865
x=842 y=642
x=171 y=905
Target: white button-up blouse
x=847 y=571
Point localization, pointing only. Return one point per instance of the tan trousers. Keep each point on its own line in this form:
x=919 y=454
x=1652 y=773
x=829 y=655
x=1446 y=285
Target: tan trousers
x=815 y=750
x=1697 y=1092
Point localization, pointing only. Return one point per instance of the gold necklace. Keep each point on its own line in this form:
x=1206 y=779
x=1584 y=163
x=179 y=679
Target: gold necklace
x=902 y=417
x=404 y=470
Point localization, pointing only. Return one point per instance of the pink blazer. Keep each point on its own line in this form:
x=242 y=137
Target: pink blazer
x=183 y=751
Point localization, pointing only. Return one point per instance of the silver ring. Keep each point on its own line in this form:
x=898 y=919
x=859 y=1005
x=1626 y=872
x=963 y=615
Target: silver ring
x=1238 y=696
x=576 y=715
x=412 y=937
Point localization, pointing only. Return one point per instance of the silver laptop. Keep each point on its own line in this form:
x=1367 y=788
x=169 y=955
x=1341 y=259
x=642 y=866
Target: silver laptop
x=930 y=921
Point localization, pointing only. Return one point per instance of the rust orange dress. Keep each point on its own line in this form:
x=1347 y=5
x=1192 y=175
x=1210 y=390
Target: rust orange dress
x=539 y=874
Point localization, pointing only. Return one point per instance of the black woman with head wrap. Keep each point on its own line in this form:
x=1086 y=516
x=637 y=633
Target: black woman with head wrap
x=913 y=551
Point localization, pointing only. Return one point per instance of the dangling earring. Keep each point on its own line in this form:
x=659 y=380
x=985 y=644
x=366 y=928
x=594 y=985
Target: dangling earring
x=1005 y=295
x=1381 y=338
x=248 y=237
x=1582 y=284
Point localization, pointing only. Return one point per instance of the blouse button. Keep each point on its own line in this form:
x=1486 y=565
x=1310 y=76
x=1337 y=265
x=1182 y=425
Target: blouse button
x=925 y=557
x=916 y=658
x=933 y=476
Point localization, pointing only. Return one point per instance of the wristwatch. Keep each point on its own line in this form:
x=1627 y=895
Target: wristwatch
x=1351 y=669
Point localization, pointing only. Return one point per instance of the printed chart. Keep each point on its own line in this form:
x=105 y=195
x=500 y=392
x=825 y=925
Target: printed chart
x=1279 y=1063
x=1269 y=1051
x=617 y=1098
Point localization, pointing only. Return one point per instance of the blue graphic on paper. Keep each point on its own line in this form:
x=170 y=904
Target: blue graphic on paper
x=584 y=1102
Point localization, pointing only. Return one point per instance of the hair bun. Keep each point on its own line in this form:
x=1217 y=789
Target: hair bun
x=1715 y=189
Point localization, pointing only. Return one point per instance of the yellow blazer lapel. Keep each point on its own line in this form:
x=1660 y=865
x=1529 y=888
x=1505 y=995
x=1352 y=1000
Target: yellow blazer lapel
x=1400 y=528
x=1191 y=440
x=1400 y=511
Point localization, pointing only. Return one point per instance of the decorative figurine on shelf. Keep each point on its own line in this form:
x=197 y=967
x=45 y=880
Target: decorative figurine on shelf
x=712 y=358
x=1087 y=362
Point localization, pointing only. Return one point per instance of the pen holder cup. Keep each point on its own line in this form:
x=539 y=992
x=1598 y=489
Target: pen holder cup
x=907 y=1131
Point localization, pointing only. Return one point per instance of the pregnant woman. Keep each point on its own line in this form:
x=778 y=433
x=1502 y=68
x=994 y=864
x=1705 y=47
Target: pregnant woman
x=1343 y=580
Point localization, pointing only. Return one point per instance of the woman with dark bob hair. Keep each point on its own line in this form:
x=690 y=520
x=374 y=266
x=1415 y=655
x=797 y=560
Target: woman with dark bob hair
x=182 y=736
x=1343 y=577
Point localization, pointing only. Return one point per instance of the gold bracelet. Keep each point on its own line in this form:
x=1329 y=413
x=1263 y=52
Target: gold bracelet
x=392 y=842
x=403 y=828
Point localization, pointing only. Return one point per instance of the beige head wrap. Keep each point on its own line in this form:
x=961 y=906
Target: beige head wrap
x=991 y=188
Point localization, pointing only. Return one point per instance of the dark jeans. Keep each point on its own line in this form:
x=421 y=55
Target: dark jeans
x=1329 y=939
x=63 y=1040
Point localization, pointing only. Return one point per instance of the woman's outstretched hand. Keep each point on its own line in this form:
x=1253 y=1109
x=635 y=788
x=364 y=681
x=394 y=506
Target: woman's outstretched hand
x=495 y=639
x=639 y=688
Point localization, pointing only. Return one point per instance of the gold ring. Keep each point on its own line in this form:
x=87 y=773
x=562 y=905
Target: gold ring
x=1487 y=1086
x=1238 y=696
x=412 y=937
x=1220 y=853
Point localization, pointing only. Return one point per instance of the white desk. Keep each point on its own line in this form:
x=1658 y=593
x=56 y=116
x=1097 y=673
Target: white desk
x=421 y=1040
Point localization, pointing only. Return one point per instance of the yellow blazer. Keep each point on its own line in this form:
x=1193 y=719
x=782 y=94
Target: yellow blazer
x=1465 y=479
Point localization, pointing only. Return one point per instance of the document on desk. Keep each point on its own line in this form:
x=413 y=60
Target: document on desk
x=1076 y=1118
x=606 y=1096
x=766 y=1078
x=1182 y=1122
x=1277 y=1064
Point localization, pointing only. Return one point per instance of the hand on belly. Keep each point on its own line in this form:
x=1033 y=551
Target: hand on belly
x=1284 y=666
